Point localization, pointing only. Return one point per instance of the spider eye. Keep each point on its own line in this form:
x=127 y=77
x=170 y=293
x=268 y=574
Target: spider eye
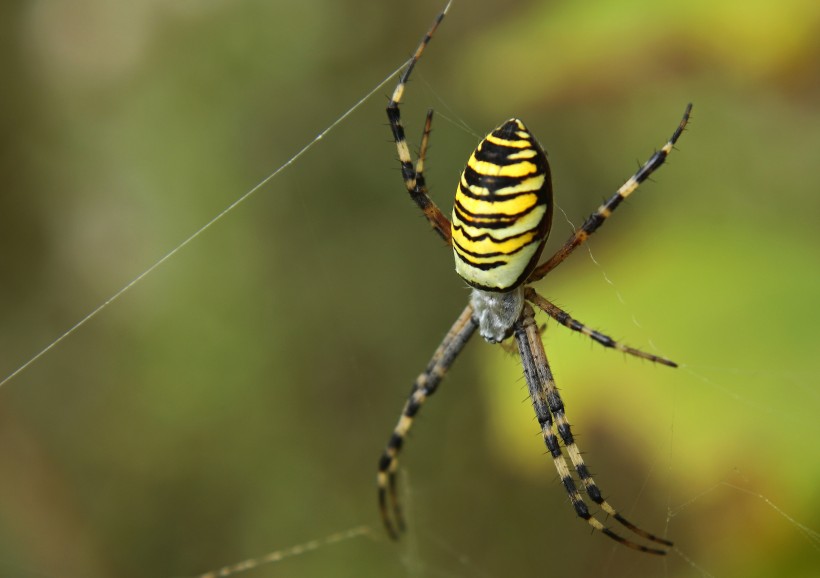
x=502 y=210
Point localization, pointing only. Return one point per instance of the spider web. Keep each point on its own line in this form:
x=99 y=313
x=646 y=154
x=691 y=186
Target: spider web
x=162 y=457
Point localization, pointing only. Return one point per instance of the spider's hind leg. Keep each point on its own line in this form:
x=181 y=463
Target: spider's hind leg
x=549 y=410
x=424 y=386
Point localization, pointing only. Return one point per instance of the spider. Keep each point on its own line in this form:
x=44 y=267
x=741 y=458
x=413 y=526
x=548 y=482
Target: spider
x=500 y=221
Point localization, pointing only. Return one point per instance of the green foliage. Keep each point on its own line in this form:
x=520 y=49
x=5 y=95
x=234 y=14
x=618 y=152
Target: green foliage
x=236 y=400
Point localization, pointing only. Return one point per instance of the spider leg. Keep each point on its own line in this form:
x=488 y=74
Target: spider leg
x=564 y=319
x=413 y=176
x=548 y=405
x=424 y=386
x=603 y=212
x=425 y=141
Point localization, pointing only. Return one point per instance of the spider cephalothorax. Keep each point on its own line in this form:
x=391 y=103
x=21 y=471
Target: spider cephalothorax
x=500 y=222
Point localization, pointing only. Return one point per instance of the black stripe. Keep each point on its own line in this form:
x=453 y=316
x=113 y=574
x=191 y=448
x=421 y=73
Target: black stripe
x=394 y=117
x=555 y=403
x=494 y=253
x=476 y=221
x=493 y=183
x=488 y=254
x=474 y=217
x=509 y=131
x=550 y=441
x=395 y=441
x=566 y=433
x=651 y=166
x=482 y=266
x=492 y=196
x=595 y=494
x=479 y=221
x=412 y=407
x=482 y=236
x=502 y=155
x=582 y=510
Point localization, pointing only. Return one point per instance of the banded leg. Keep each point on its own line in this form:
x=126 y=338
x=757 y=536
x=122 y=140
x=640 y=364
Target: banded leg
x=548 y=405
x=425 y=141
x=424 y=386
x=413 y=176
x=603 y=212
x=564 y=319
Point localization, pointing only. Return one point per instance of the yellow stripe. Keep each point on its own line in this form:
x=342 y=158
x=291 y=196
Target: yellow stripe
x=404 y=425
x=516 y=144
x=524 y=154
x=501 y=277
x=510 y=207
x=531 y=184
x=489 y=169
x=527 y=222
x=491 y=246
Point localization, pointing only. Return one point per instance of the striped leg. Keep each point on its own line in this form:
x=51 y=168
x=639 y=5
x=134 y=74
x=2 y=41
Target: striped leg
x=548 y=405
x=597 y=218
x=413 y=176
x=424 y=387
x=564 y=319
x=425 y=141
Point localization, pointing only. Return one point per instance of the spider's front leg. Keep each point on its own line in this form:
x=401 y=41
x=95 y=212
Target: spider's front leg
x=424 y=386
x=603 y=212
x=414 y=175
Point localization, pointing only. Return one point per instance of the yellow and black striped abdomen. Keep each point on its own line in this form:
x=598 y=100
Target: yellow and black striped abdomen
x=502 y=210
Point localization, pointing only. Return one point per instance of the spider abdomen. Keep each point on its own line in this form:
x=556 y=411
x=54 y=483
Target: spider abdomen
x=502 y=210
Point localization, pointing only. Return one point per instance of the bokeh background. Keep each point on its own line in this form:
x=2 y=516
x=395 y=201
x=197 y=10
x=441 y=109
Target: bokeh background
x=236 y=400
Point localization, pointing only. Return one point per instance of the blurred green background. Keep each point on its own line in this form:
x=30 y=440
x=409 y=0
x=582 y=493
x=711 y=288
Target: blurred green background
x=237 y=399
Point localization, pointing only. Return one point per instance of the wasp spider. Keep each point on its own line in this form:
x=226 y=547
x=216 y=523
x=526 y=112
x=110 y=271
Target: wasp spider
x=500 y=221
